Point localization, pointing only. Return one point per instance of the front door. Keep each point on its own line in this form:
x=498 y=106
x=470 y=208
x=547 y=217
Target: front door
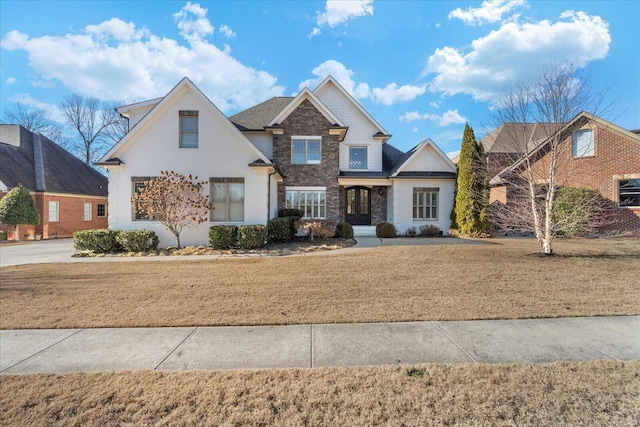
x=358 y=206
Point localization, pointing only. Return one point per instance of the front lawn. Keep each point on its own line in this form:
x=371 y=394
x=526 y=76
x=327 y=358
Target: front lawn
x=501 y=279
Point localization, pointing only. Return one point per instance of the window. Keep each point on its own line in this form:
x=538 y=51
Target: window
x=188 y=129
x=306 y=150
x=138 y=184
x=629 y=193
x=227 y=199
x=54 y=211
x=425 y=204
x=312 y=203
x=357 y=157
x=87 y=211
x=583 y=143
x=102 y=210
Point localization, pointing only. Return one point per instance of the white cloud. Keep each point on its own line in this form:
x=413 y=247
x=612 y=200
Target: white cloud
x=114 y=60
x=490 y=11
x=389 y=95
x=446 y=119
x=227 y=31
x=53 y=111
x=342 y=74
x=453 y=154
x=340 y=11
x=434 y=104
x=10 y=80
x=414 y=129
x=393 y=94
x=515 y=51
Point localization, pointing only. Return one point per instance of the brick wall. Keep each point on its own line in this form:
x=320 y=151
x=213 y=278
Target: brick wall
x=615 y=157
x=307 y=120
x=71 y=217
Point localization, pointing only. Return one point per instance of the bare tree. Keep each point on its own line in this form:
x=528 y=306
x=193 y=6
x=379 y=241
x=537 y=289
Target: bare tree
x=174 y=200
x=31 y=118
x=540 y=115
x=119 y=125
x=92 y=122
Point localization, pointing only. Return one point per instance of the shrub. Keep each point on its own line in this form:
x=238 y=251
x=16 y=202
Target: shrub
x=386 y=230
x=222 y=236
x=252 y=236
x=99 y=241
x=344 y=230
x=280 y=229
x=3 y=236
x=296 y=213
x=411 y=232
x=429 y=231
x=139 y=240
x=578 y=211
x=318 y=228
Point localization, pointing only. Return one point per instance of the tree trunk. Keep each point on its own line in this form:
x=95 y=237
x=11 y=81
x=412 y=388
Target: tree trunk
x=177 y=239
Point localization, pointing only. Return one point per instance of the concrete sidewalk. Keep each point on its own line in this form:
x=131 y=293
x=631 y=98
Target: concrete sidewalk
x=311 y=346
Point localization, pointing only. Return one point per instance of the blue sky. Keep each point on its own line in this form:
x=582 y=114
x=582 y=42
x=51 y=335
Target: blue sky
x=421 y=68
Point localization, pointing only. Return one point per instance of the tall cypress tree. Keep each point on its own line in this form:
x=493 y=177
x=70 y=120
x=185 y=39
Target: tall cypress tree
x=471 y=200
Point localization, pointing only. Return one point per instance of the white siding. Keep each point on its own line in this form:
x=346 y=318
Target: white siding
x=361 y=130
x=262 y=141
x=402 y=213
x=427 y=160
x=221 y=152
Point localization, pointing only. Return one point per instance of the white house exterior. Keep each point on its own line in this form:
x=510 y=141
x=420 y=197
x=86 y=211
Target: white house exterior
x=319 y=151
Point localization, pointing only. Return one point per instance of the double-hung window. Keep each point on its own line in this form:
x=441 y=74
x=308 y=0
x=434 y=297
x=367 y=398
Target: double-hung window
x=138 y=183
x=306 y=150
x=87 y=211
x=357 y=157
x=425 y=203
x=629 y=193
x=54 y=211
x=227 y=199
x=583 y=145
x=312 y=202
x=102 y=210
x=188 y=129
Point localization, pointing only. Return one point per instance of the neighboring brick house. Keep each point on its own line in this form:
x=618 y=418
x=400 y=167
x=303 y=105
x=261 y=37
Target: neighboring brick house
x=596 y=154
x=319 y=151
x=68 y=194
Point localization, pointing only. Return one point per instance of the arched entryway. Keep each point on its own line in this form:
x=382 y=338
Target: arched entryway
x=357 y=205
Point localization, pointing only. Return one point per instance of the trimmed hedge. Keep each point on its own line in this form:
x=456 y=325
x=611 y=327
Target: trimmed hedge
x=99 y=241
x=139 y=240
x=296 y=213
x=344 y=230
x=223 y=236
x=3 y=236
x=280 y=229
x=252 y=236
x=386 y=230
x=430 y=231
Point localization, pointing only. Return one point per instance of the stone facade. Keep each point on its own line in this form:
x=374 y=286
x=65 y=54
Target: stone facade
x=307 y=120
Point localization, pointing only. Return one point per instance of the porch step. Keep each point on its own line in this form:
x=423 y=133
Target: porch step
x=364 y=230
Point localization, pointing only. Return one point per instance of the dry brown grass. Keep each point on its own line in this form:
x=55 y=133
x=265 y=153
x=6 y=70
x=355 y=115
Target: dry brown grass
x=401 y=283
x=577 y=393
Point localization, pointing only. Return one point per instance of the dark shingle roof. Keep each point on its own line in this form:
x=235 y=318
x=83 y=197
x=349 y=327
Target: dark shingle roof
x=39 y=164
x=258 y=116
x=509 y=137
x=390 y=157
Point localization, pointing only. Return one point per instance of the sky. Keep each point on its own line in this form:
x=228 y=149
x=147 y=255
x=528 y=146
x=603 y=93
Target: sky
x=422 y=69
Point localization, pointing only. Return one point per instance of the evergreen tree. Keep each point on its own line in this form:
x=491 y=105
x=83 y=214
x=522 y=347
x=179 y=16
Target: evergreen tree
x=472 y=187
x=17 y=207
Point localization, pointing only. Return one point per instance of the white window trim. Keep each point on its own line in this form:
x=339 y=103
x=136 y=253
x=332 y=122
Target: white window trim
x=437 y=206
x=84 y=212
x=228 y=180
x=574 y=152
x=313 y=190
x=617 y=181
x=57 y=210
x=306 y=137
x=366 y=147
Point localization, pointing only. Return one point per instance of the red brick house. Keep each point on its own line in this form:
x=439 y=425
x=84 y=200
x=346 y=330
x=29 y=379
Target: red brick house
x=68 y=194
x=595 y=154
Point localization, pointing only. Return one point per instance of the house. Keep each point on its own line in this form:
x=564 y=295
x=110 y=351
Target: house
x=68 y=194
x=592 y=153
x=319 y=151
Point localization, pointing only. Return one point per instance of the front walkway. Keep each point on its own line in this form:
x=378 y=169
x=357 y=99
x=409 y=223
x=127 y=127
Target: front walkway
x=312 y=346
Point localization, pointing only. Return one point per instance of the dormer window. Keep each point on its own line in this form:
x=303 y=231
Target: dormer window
x=306 y=150
x=357 y=157
x=188 y=129
x=583 y=143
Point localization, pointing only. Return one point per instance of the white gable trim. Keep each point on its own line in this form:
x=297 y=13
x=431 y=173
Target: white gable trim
x=346 y=94
x=295 y=103
x=416 y=152
x=122 y=145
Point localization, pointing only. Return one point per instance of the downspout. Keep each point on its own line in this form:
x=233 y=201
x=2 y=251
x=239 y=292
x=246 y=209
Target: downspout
x=269 y=194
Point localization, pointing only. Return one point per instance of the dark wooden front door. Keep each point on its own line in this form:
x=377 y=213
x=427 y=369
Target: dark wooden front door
x=358 y=206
